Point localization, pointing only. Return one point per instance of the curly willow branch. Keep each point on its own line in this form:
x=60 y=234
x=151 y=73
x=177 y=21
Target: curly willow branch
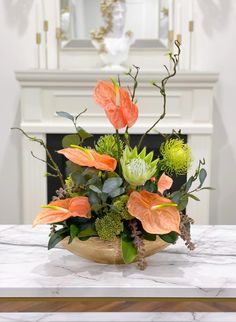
x=162 y=88
x=52 y=163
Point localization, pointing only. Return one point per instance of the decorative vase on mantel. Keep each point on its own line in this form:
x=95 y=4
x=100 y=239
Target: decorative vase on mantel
x=111 y=42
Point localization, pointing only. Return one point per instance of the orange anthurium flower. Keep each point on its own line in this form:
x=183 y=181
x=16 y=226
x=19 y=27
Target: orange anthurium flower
x=116 y=102
x=164 y=183
x=60 y=210
x=89 y=158
x=157 y=214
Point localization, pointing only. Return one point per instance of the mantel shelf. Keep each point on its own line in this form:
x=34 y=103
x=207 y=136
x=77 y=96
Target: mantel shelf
x=36 y=77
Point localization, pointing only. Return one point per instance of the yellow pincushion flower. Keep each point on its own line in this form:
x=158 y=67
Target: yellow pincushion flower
x=176 y=156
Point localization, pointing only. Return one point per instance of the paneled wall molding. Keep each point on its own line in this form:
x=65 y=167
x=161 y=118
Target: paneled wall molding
x=190 y=107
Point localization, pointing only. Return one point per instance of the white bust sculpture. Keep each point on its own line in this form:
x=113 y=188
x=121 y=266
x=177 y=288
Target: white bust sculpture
x=110 y=40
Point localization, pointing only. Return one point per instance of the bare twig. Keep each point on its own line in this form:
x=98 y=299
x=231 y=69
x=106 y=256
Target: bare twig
x=135 y=80
x=41 y=142
x=37 y=158
x=162 y=89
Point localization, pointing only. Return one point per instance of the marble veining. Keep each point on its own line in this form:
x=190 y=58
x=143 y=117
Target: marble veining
x=27 y=268
x=117 y=317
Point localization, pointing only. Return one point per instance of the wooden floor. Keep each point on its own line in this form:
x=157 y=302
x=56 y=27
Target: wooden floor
x=119 y=306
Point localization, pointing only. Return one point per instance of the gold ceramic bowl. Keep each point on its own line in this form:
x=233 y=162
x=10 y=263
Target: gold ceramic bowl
x=107 y=252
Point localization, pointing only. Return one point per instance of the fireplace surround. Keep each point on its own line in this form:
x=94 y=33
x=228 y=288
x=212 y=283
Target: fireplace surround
x=189 y=107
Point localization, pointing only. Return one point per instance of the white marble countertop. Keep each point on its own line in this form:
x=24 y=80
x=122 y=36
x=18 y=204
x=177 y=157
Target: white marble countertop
x=118 y=317
x=28 y=269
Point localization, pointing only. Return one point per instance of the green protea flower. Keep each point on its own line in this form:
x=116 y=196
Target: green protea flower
x=107 y=144
x=137 y=168
x=176 y=157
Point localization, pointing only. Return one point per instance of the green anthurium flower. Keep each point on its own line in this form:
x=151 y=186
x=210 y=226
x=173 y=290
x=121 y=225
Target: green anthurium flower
x=137 y=168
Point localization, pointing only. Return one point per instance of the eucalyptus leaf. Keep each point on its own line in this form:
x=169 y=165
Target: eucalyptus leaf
x=93 y=198
x=129 y=252
x=202 y=177
x=77 y=178
x=183 y=203
x=117 y=192
x=170 y=238
x=90 y=172
x=66 y=115
x=95 y=181
x=175 y=197
x=83 y=134
x=58 y=236
x=104 y=196
x=71 y=139
x=72 y=167
x=95 y=189
x=189 y=184
x=112 y=184
x=193 y=197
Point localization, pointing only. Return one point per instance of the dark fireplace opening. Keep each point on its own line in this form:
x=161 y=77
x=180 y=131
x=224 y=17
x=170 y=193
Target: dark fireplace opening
x=152 y=142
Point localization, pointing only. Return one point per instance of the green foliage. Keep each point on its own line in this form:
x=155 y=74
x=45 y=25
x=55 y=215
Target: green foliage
x=58 y=236
x=148 y=236
x=71 y=139
x=89 y=231
x=69 y=186
x=111 y=184
x=74 y=230
x=109 y=226
x=77 y=178
x=81 y=133
x=120 y=207
x=107 y=144
x=150 y=186
x=182 y=196
x=183 y=202
x=96 y=185
x=81 y=228
x=111 y=188
x=176 y=157
x=129 y=251
x=170 y=238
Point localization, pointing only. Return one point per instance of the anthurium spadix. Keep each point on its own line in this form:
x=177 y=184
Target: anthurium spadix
x=137 y=167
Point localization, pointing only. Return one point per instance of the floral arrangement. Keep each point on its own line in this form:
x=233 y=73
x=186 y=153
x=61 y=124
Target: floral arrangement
x=115 y=190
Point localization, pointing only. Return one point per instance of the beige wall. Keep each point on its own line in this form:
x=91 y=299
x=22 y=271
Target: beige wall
x=214 y=48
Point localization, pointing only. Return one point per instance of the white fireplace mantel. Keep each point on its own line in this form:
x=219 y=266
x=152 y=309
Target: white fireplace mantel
x=189 y=107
